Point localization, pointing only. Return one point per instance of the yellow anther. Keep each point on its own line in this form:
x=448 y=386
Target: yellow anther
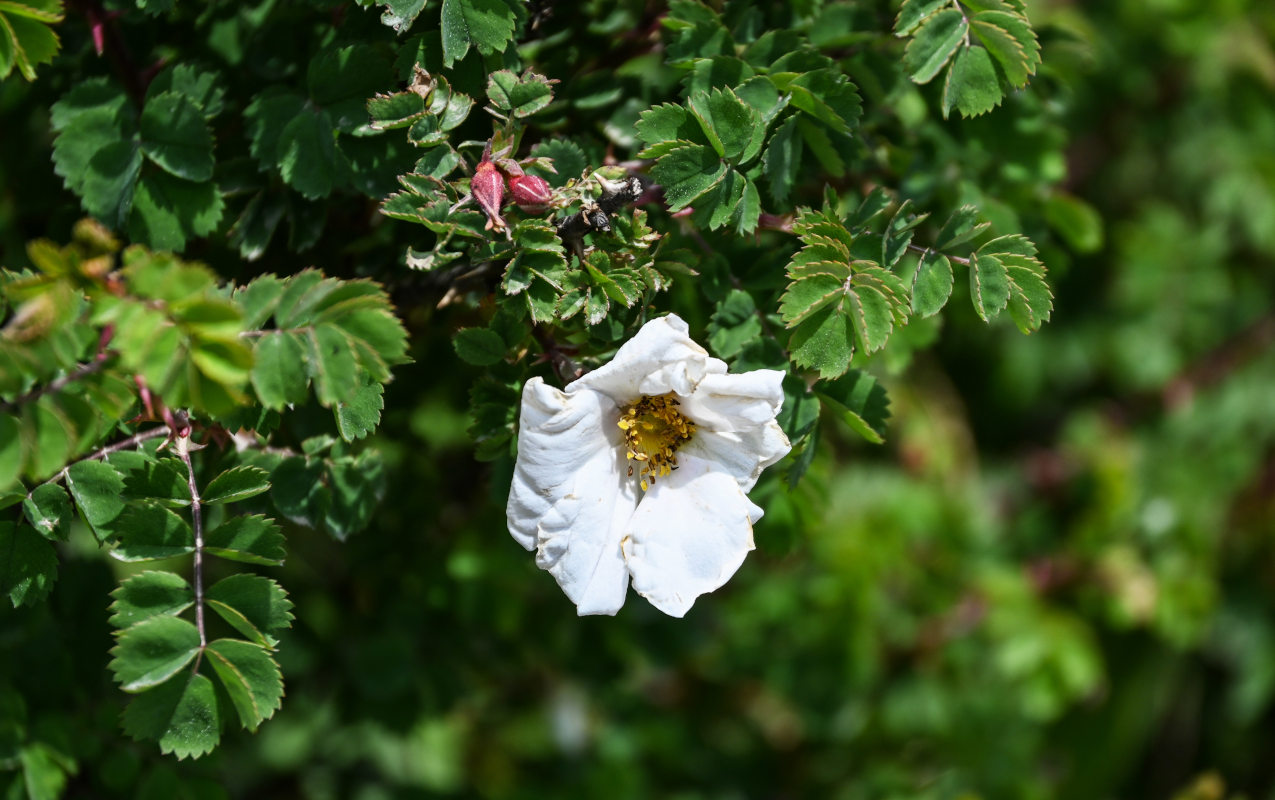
x=653 y=431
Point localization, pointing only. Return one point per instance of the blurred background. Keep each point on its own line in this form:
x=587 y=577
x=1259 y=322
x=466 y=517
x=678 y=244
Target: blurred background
x=1055 y=579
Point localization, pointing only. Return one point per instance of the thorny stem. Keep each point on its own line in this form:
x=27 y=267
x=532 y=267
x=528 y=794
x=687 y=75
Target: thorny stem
x=132 y=441
x=197 y=518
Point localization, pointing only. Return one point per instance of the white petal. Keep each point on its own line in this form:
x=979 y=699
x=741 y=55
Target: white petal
x=661 y=358
x=688 y=536
x=570 y=496
x=736 y=402
x=743 y=454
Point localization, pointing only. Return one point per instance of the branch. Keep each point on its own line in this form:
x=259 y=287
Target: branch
x=58 y=384
x=923 y=250
x=197 y=518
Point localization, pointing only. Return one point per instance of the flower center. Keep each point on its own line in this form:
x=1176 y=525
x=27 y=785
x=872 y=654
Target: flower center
x=653 y=431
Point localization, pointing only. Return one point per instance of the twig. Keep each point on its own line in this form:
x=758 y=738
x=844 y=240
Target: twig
x=132 y=441
x=923 y=250
x=197 y=519
x=58 y=384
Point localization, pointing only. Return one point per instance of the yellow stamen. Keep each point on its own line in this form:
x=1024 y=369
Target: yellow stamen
x=653 y=431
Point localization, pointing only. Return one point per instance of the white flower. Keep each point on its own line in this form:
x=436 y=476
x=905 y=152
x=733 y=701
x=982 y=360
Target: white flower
x=639 y=469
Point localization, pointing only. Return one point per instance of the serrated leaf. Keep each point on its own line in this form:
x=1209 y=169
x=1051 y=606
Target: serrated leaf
x=146 y=531
x=962 y=226
x=168 y=211
x=397 y=110
x=331 y=364
x=861 y=402
x=182 y=715
x=266 y=116
x=149 y=594
x=278 y=371
x=152 y=651
x=238 y=483
x=250 y=677
x=823 y=342
x=359 y=416
x=812 y=293
x=400 y=14
x=935 y=42
x=98 y=491
x=1030 y=299
x=487 y=25
x=48 y=438
x=989 y=285
x=932 y=284
x=175 y=136
x=568 y=160
x=971 y=86
x=734 y=324
x=874 y=304
x=913 y=12
x=341 y=79
x=782 y=161
x=686 y=173
x=479 y=346
x=309 y=160
x=727 y=122
x=519 y=96
x=828 y=96
x=1004 y=48
x=298 y=491
x=145 y=477
x=48 y=509
x=251 y=539
x=898 y=233
x=255 y=606
x=28 y=564
x=26 y=40
x=1017 y=26
x=667 y=123
x=198 y=84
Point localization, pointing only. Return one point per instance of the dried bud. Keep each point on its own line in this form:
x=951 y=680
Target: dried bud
x=531 y=192
x=488 y=188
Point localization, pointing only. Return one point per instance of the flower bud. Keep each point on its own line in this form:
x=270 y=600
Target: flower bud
x=488 y=188
x=531 y=192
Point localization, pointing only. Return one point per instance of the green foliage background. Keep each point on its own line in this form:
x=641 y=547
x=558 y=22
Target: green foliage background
x=1053 y=579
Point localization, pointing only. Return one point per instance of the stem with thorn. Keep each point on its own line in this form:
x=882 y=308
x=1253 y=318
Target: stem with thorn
x=197 y=520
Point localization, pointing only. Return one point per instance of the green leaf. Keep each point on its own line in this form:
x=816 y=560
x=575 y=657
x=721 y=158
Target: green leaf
x=147 y=532
x=309 y=160
x=48 y=509
x=340 y=80
x=331 y=364
x=149 y=594
x=10 y=452
x=938 y=38
x=152 y=651
x=728 y=123
x=898 y=234
x=182 y=715
x=1073 y=218
x=251 y=678
x=267 y=116
x=520 y=97
x=932 y=284
x=972 y=86
x=168 y=211
x=668 y=122
x=1019 y=29
x=828 y=96
x=146 y=477
x=28 y=564
x=735 y=323
x=26 y=40
x=479 y=346
x=49 y=438
x=782 y=161
x=487 y=25
x=569 y=161
x=98 y=490
x=175 y=136
x=236 y=484
x=989 y=285
x=961 y=227
x=686 y=173
x=94 y=151
x=44 y=771
x=359 y=415
x=400 y=14
x=278 y=371
x=298 y=490
x=861 y=402
x=823 y=342
x=913 y=12
x=255 y=606
x=252 y=539
x=1030 y=299
x=197 y=84
x=397 y=110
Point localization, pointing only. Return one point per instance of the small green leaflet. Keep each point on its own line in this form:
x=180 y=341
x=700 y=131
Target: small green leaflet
x=148 y=594
x=250 y=677
x=182 y=715
x=236 y=484
x=48 y=509
x=28 y=564
x=152 y=651
x=1005 y=272
x=487 y=25
x=255 y=606
x=861 y=401
x=479 y=346
x=147 y=531
x=26 y=40
x=252 y=539
x=519 y=96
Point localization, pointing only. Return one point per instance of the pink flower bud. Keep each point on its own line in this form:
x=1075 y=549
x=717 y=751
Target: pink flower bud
x=488 y=188
x=531 y=192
